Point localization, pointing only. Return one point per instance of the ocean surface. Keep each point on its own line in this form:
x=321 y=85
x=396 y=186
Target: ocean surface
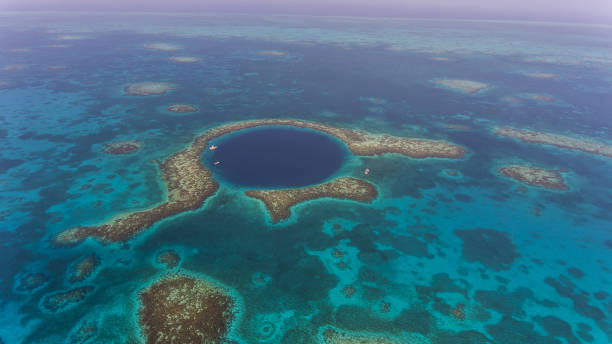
x=462 y=257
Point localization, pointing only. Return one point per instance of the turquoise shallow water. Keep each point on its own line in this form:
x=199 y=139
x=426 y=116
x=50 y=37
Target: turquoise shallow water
x=464 y=258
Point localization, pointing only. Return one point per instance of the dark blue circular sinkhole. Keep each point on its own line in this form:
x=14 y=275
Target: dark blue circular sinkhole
x=275 y=157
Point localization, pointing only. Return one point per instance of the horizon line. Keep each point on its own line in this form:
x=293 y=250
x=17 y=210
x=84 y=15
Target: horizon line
x=320 y=15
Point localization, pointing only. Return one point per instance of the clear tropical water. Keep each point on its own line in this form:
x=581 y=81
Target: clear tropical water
x=529 y=265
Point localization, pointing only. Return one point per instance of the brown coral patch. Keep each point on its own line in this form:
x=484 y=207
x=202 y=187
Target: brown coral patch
x=189 y=183
x=184 y=59
x=161 y=46
x=458 y=312
x=385 y=307
x=463 y=86
x=451 y=173
x=542 y=75
x=61 y=300
x=542 y=98
x=185 y=309
x=513 y=100
x=349 y=291
x=534 y=176
x=169 y=258
x=182 y=108
x=122 y=147
x=336 y=253
x=147 y=88
x=278 y=202
x=341 y=265
x=12 y=68
x=584 y=145
x=271 y=53
x=84 y=268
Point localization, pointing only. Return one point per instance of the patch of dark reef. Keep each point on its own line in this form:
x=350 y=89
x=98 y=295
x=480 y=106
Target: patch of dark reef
x=507 y=303
x=566 y=288
x=276 y=157
x=511 y=331
x=492 y=248
x=557 y=328
x=355 y=318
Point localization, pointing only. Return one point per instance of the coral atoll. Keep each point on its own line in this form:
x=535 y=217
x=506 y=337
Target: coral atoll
x=62 y=300
x=184 y=59
x=83 y=268
x=182 y=108
x=189 y=183
x=463 y=86
x=534 y=176
x=122 y=147
x=185 y=309
x=169 y=258
x=279 y=201
x=147 y=88
x=584 y=145
x=161 y=46
x=272 y=53
x=542 y=75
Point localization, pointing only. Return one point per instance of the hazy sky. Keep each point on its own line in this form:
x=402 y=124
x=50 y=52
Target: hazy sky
x=558 y=10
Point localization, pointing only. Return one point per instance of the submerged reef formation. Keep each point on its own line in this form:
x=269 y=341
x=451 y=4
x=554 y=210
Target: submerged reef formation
x=272 y=53
x=541 y=98
x=62 y=300
x=189 y=183
x=83 y=268
x=58 y=46
x=31 y=281
x=584 y=145
x=455 y=126
x=184 y=59
x=542 y=75
x=279 y=201
x=463 y=86
x=169 y=258
x=182 y=108
x=86 y=331
x=70 y=37
x=185 y=309
x=161 y=46
x=122 y=147
x=57 y=68
x=12 y=68
x=490 y=247
x=147 y=88
x=534 y=176
x=332 y=336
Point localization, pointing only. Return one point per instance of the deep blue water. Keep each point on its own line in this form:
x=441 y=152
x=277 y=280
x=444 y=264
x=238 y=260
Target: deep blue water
x=276 y=157
x=532 y=264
